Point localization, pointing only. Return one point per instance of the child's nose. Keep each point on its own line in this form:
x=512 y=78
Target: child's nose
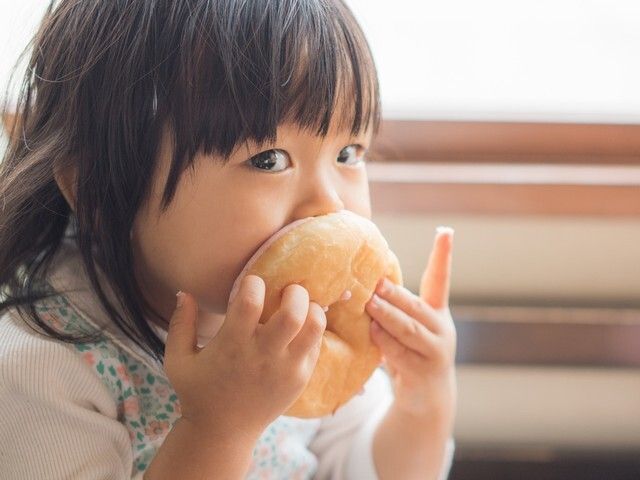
x=318 y=198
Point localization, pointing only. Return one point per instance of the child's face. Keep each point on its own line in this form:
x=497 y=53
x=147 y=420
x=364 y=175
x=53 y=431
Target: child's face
x=221 y=214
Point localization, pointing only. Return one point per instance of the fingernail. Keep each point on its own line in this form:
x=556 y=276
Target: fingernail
x=444 y=230
x=375 y=301
x=384 y=286
x=179 y=299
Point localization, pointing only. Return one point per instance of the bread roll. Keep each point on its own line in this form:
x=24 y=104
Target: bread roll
x=339 y=259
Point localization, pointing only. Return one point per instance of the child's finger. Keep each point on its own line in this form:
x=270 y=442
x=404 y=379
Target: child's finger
x=411 y=304
x=245 y=309
x=397 y=323
x=287 y=321
x=435 y=282
x=398 y=355
x=181 y=336
x=311 y=332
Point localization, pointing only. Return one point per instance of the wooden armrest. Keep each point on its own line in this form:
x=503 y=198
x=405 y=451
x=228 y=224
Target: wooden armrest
x=504 y=189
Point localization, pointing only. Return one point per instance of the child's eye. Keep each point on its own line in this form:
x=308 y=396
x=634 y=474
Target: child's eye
x=268 y=159
x=351 y=155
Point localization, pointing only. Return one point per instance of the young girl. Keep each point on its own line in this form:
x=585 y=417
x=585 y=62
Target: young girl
x=158 y=144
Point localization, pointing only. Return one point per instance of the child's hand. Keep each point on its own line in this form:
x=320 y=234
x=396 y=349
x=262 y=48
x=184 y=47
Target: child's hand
x=249 y=373
x=416 y=334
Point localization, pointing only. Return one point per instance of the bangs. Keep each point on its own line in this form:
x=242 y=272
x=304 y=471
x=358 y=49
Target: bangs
x=246 y=67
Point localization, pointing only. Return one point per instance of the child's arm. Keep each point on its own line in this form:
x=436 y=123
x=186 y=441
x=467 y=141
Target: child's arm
x=412 y=447
x=417 y=337
x=194 y=450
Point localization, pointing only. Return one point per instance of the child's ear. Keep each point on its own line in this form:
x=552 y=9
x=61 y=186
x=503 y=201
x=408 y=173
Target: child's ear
x=66 y=180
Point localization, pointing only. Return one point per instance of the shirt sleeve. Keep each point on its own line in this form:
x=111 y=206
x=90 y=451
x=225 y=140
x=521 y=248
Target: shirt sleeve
x=344 y=440
x=57 y=419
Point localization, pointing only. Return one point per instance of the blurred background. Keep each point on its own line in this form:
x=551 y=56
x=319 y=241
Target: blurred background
x=517 y=123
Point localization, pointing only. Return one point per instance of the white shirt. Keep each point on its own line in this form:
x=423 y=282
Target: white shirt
x=62 y=416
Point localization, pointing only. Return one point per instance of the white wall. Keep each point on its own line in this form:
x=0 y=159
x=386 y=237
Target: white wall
x=565 y=60
x=18 y=22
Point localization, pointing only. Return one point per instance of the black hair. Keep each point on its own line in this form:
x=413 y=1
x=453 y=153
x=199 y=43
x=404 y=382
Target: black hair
x=103 y=81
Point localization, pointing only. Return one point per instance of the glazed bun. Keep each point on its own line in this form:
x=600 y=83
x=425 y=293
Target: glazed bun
x=339 y=259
